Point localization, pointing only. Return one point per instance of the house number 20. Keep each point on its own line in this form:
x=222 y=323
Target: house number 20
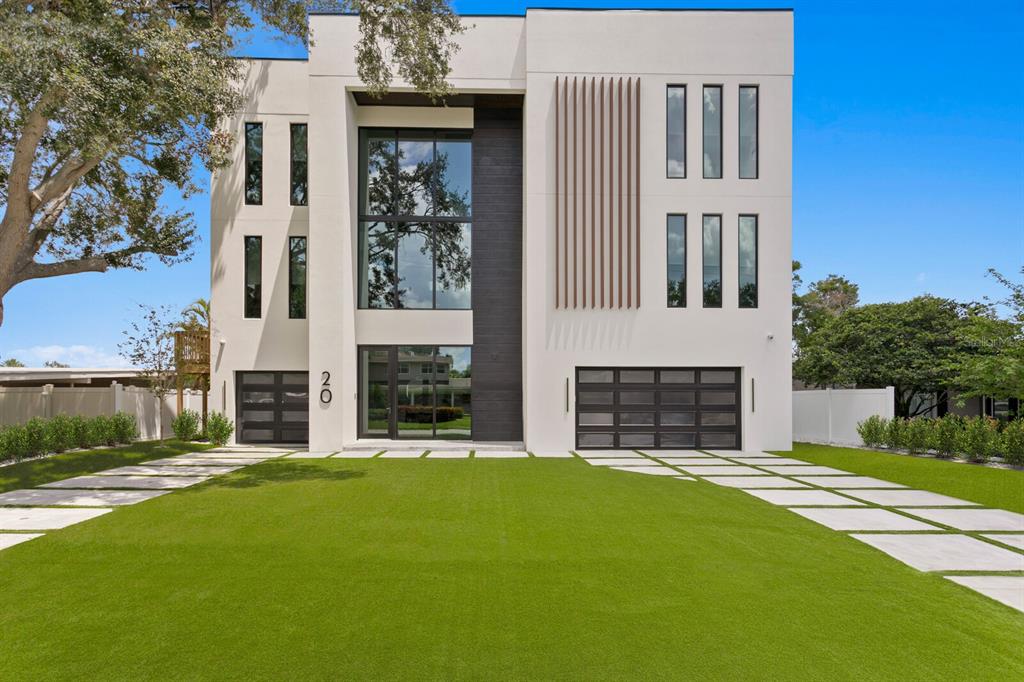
x=325 y=388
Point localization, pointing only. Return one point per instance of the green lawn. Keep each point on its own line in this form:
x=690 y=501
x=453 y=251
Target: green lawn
x=38 y=471
x=480 y=569
x=1002 y=488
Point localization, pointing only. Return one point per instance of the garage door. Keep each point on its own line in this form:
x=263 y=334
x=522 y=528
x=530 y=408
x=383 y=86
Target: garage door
x=657 y=407
x=273 y=407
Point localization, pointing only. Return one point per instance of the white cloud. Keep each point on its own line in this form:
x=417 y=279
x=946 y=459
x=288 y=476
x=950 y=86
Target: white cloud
x=76 y=356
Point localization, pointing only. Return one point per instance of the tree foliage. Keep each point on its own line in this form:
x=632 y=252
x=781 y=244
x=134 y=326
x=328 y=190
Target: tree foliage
x=824 y=300
x=996 y=367
x=915 y=346
x=106 y=103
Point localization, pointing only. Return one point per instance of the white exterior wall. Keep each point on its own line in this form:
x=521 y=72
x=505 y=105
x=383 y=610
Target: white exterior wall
x=276 y=93
x=523 y=55
x=691 y=48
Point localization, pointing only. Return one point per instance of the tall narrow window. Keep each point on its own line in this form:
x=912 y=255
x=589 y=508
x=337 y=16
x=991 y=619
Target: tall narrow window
x=253 y=276
x=675 y=133
x=676 y=245
x=712 y=131
x=297 y=278
x=299 y=165
x=712 y=240
x=748 y=131
x=748 y=261
x=254 y=163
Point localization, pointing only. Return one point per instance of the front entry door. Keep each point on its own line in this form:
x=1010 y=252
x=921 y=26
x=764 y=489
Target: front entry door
x=415 y=392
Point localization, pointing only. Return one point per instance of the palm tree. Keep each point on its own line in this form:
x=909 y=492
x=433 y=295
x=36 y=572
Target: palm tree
x=196 y=317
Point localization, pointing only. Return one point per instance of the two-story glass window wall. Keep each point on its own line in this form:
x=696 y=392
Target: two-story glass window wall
x=415 y=218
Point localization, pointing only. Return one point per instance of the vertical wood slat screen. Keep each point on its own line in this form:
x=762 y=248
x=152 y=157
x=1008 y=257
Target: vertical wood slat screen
x=597 y=182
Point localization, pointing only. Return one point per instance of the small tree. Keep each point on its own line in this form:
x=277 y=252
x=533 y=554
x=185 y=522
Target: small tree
x=149 y=346
x=12 y=362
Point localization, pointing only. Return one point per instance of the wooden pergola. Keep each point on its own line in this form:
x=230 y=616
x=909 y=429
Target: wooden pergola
x=192 y=359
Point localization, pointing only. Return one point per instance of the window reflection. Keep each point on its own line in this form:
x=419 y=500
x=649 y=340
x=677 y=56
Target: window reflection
x=676 y=245
x=422 y=263
x=712 y=131
x=676 y=131
x=712 y=261
x=748 y=131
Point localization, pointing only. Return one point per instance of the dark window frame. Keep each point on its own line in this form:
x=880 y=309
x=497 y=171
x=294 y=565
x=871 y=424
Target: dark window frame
x=703 y=288
x=392 y=374
x=757 y=261
x=245 y=276
x=292 y=161
x=721 y=131
x=686 y=165
x=391 y=221
x=668 y=219
x=757 y=133
x=291 y=274
x=252 y=125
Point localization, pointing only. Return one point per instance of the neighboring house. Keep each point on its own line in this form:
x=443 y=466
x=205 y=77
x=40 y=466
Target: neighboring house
x=63 y=377
x=589 y=246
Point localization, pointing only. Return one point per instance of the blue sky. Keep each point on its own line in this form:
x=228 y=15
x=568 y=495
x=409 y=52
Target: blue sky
x=908 y=168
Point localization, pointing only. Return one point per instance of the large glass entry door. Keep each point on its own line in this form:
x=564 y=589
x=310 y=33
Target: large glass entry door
x=415 y=392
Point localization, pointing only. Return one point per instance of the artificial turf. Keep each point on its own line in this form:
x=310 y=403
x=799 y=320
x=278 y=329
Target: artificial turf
x=34 y=472
x=480 y=569
x=990 y=486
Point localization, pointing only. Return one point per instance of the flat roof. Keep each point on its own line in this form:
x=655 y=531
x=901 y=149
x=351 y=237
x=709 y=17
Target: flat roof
x=588 y=9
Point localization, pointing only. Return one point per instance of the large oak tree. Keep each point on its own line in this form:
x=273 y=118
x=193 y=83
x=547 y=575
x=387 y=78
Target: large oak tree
x=104 y=104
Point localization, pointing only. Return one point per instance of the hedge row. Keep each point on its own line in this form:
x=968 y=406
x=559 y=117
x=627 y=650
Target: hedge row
x=40 y=436
x=977 y=439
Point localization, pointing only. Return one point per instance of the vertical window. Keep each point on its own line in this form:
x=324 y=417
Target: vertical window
x=415 y=236
x=254 y=163
x=297 y=278
x=748 y=261
x=713 y=131
x=712 y=257
x=253 y=276
x=675 y=133
x=676 y=245
x=299 y=165
x=748 y=131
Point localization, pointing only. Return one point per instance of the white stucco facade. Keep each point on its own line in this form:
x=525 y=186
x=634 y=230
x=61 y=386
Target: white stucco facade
x=522 y=56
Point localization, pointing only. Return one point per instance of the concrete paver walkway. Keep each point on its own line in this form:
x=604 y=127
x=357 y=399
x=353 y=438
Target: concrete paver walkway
x=59 y=504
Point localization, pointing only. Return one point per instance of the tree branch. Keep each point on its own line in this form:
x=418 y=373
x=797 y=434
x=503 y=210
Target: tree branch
x=23 y=158
x=99 y=263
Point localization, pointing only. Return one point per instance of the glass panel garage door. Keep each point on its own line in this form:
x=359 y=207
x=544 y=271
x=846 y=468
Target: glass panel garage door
x=658 y=407
x=273 y=407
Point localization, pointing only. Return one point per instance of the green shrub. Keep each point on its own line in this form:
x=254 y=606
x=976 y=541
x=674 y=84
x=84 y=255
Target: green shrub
x=101 y=431
x=60 y=433
x=872 y=431
x=978 y=439
x=14 y=443
x=219 y=428
x=35 y=435
x=895 y=433
x=1013 y=442
x=946 y=435
x=917 y=435
x=186 y=425
x=80 y=429
x=125 y=428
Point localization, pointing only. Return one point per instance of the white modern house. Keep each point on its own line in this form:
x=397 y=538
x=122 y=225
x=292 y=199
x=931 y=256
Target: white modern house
x=587 y=246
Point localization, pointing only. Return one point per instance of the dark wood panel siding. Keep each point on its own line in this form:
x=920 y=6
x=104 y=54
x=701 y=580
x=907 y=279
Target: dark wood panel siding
x=497 y=274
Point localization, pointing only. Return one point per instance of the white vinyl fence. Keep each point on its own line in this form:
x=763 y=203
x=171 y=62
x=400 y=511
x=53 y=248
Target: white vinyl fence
x=19 y=404
x=832 y=415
